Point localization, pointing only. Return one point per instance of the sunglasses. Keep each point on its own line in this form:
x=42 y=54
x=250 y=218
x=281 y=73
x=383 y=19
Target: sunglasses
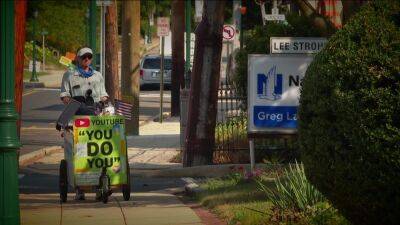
x=89 y=56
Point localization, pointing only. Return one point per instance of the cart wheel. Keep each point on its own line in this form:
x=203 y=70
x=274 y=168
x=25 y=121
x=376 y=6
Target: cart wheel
x=126 y=188
x=104 y=184
x=63 y=180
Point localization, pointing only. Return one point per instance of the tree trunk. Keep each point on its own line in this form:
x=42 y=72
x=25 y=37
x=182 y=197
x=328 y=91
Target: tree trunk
x=200 y=133
x=130 y=61
x=20 y=22
x=111 y=52
x=178 y=61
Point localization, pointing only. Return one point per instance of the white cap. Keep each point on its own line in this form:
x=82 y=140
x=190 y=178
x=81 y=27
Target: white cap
x=83 y=51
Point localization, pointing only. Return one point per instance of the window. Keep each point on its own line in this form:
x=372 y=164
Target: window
x=154 y=63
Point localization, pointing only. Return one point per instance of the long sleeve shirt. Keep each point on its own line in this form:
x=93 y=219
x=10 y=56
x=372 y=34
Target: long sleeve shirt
x=74 y=84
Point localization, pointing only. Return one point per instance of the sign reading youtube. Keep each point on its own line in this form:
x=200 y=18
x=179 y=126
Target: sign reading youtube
x=99 y=141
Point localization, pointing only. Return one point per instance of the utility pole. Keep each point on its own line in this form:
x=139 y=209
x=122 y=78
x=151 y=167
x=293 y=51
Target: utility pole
x=237 y=21
x=92 y=28
x=200 y=133
x=20 y=31
x=188 y=29
x=34 y=75
x=130 y=61
x=111 y=51
x=178 y=69
x=44 y=33
x=9 y=142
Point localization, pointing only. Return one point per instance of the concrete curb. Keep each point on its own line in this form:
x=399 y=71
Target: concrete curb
x=196 y=171
x=38 y=154
x=33 y=84
x=149 y=120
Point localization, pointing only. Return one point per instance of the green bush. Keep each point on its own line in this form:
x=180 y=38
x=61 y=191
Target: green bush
x=349 y=120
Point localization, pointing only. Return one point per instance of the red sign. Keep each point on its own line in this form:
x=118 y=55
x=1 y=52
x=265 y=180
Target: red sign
x=85 y=122
x=228 y=32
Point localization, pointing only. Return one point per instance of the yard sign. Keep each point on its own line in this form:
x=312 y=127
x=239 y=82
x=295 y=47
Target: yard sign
x=274 y=91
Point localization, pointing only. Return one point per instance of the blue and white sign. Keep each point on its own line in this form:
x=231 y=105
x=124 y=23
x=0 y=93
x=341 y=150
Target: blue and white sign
x=274 y=90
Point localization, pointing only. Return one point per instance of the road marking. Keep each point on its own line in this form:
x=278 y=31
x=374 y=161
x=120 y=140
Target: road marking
x=37 y=128
x=29 y=92
x=48 y=89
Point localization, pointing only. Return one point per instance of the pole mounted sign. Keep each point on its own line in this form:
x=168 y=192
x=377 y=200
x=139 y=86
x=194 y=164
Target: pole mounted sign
x=293 y=45
x=274 y=91
x=228 y=32
x=162 y=26
x=275 y=17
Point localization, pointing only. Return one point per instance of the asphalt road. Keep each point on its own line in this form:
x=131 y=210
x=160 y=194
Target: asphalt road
x=41 y=108
x=33 y=182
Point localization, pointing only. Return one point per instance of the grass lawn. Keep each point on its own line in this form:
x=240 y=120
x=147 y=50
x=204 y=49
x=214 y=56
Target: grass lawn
x=241 y=201
x=235 y=202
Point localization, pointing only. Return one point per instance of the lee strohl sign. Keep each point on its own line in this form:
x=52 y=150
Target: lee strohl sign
x=273 y=92
x=296 y=44
x=99 y=141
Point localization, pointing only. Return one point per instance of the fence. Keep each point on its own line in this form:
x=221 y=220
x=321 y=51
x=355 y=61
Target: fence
x=231 y=142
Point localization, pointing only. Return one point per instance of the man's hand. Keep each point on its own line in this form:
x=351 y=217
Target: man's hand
x=66 y=100
x=104 y=99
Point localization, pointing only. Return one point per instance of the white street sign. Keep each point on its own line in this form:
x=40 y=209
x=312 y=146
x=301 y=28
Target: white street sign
x=192 y=46
x=103 y=2
x=300 y=45
x=198 y=10
x=272 y=17
x=228 y=32
x=30 y=67
x=274 y=91
x=274 y=11
x=162 y=26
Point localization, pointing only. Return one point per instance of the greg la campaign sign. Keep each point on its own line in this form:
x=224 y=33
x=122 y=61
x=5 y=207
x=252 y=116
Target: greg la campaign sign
x=274 y=91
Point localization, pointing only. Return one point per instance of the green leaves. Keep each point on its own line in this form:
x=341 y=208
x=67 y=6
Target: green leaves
x=349 y=118
x=292 y=190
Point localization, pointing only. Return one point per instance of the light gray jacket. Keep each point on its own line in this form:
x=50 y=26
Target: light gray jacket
x=74 y=84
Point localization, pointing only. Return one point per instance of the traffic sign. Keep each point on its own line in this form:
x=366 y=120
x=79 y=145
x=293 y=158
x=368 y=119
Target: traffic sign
x=228 y=32
x=297 y=45
x=103 y=2
x=273 y=17
x=162 y=26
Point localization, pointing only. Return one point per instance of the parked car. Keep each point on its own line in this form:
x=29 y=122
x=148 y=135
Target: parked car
x=150 y=70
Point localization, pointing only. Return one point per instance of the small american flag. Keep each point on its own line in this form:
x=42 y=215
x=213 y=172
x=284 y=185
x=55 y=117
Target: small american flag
x=124 y=109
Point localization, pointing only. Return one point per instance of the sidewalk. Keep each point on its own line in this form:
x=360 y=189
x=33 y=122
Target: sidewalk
x=156 y=145
x=52 y=80
x=151 y=150
x=152 y=208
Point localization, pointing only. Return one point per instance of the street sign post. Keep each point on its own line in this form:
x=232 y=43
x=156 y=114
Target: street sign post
x=163 y=26
x=273 y=94
x=297 y=45
x=163 y=29
x=228 y=32
x=103 y=2
x=275 y=17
